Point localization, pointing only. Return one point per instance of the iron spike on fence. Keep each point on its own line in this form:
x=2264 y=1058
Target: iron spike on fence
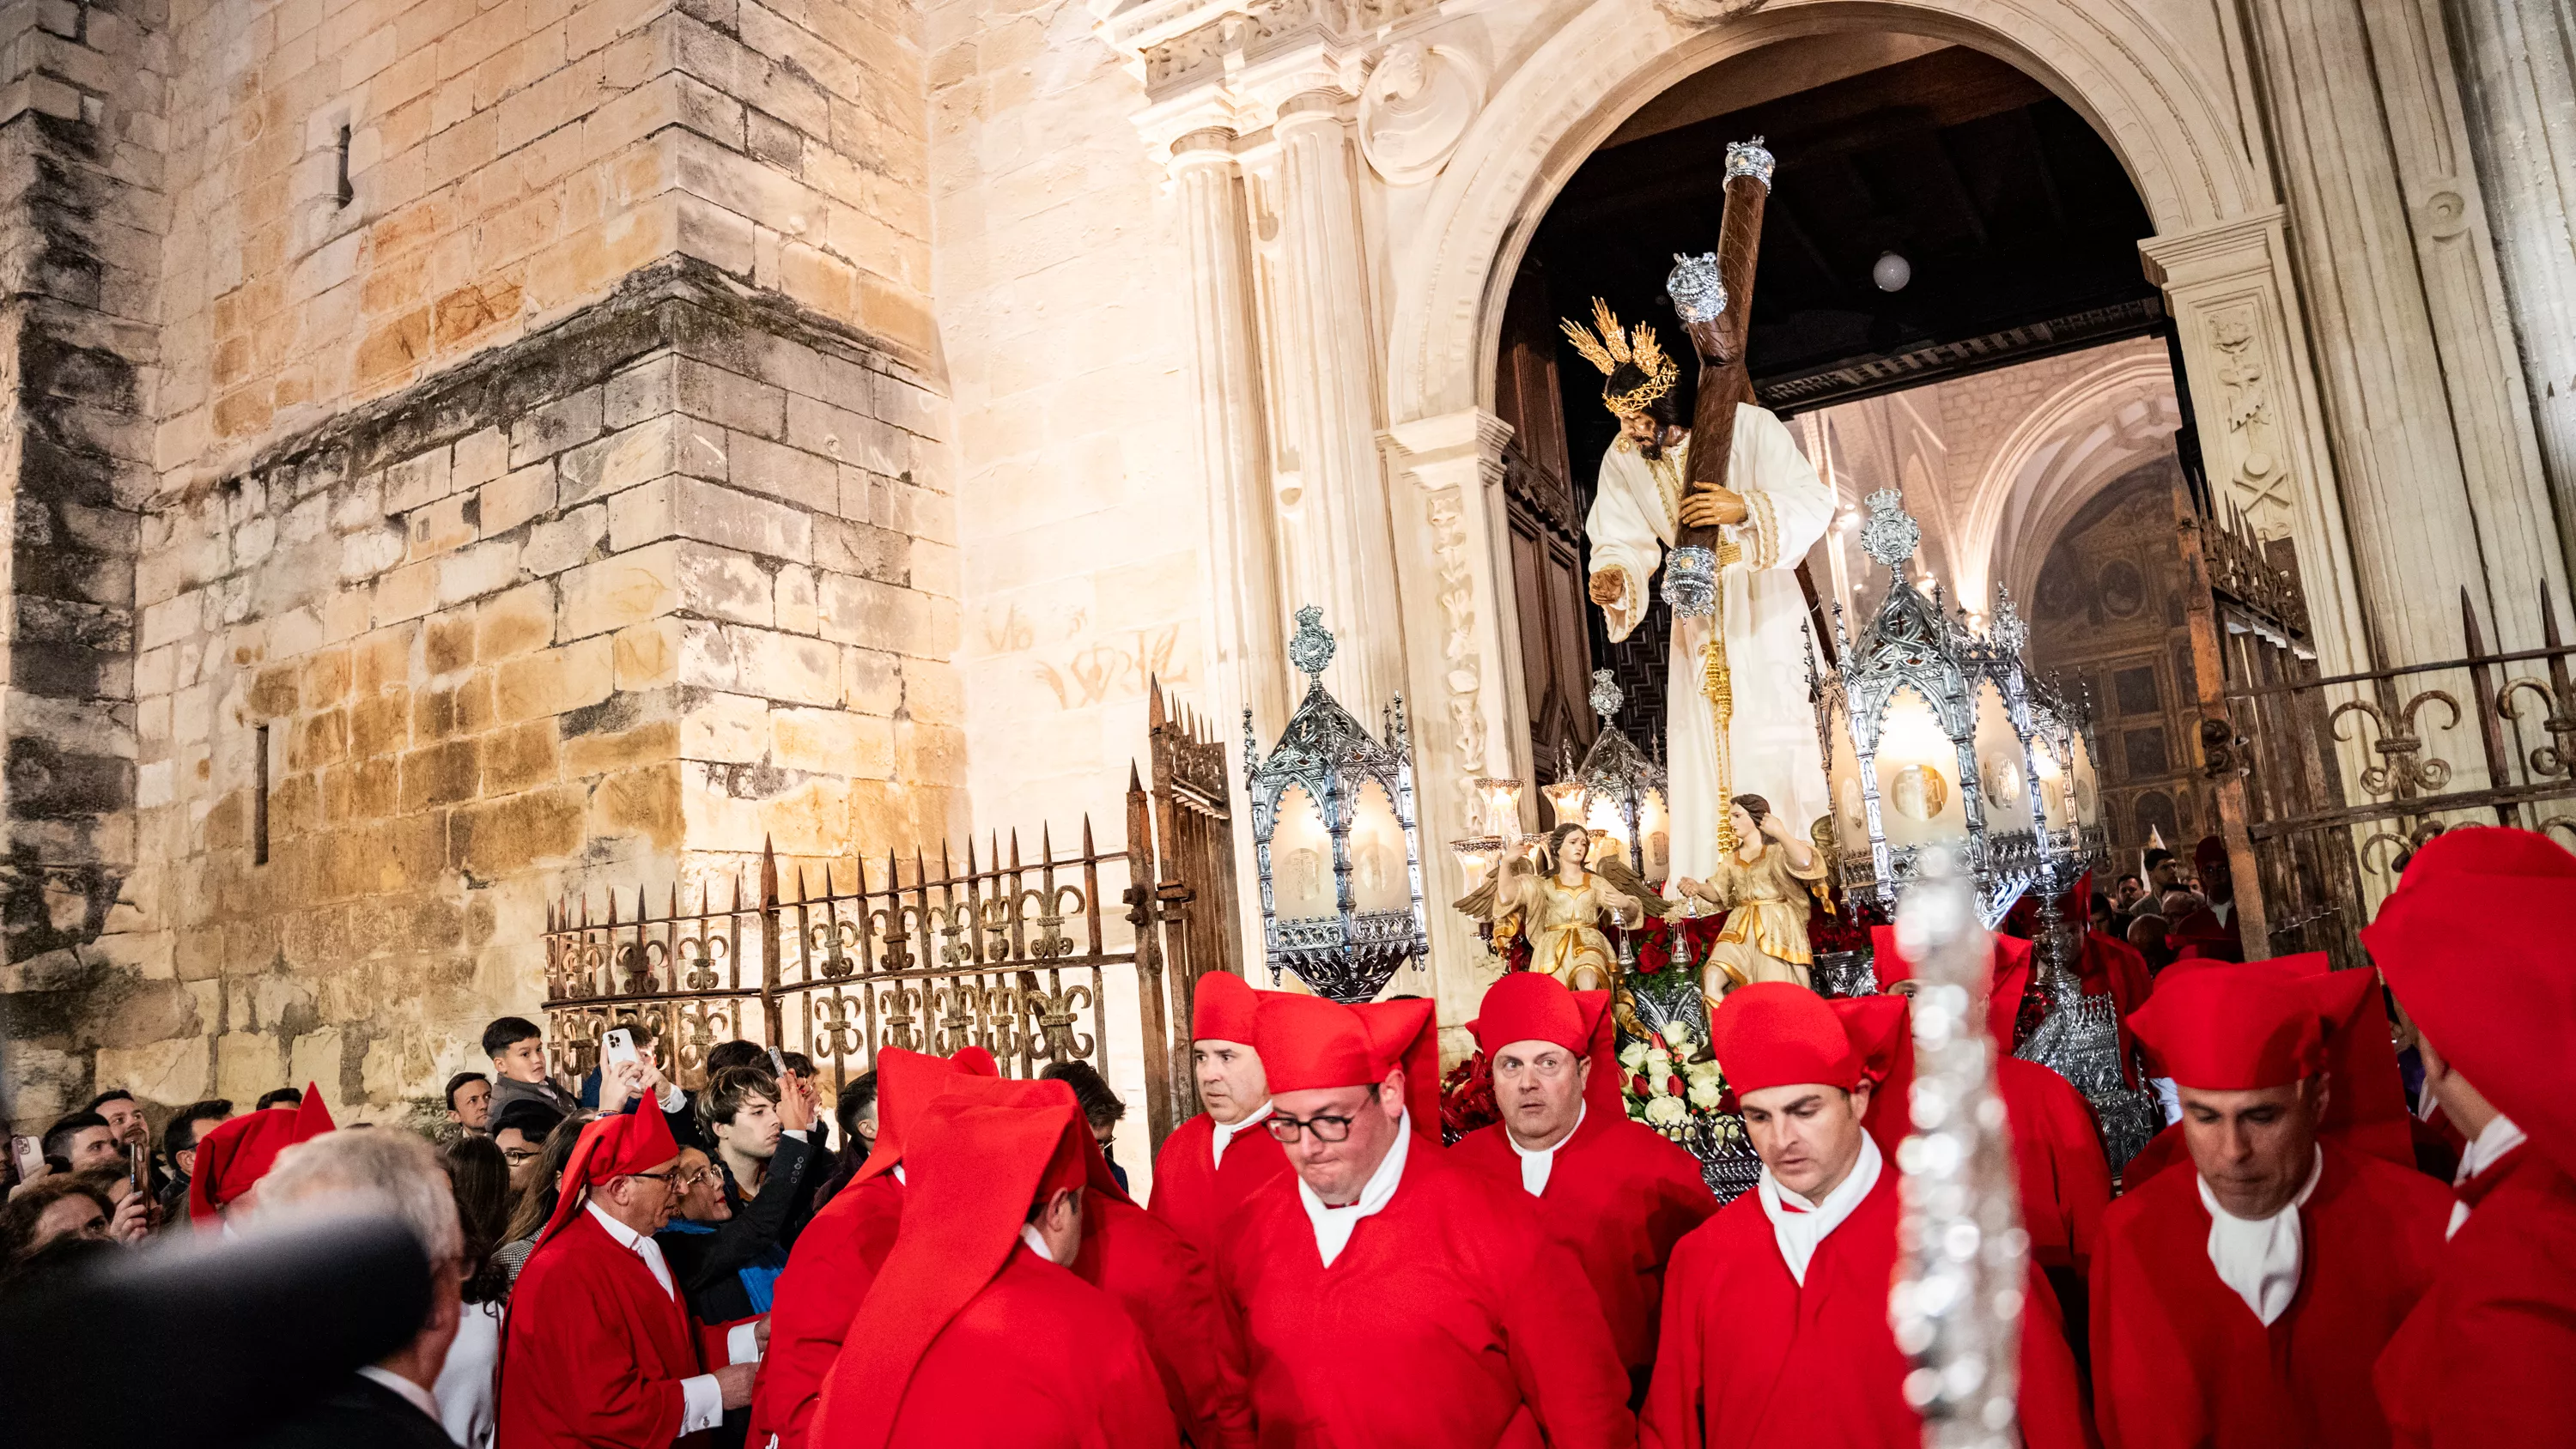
x=768 y=872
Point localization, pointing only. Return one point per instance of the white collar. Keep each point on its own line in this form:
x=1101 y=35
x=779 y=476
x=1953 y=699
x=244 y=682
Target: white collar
x=2259 y=1257
x=413 y=1394
x=899 y=1177
x=1334 y=1226
x=2493 y=1141
x=1036 y=1241
x=1799 y=1227
x=1222 y=1134
x=638 y=1244
x=1538 y=1162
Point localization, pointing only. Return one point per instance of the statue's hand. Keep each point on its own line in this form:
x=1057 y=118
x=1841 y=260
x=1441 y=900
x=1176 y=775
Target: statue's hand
x=1609 y=587
x=1712 y=508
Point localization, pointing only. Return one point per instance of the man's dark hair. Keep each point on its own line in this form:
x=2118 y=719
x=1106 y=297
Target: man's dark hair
x=19 y=1217
x=181 y=1134
x=58 y=1137
x=506 y=1033
x=2131 y=876
x=724 y=1056
x=1091 y=1090
x=797 y=1062
x=531 y=1119
x=2158 y=857
x=856 y=1100
x=282 y=1097
x=725 y=1092
x=112 y=1094
x=456 y=1082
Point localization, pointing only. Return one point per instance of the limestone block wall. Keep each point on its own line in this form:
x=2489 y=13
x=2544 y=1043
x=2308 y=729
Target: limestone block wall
x=1060 y=283
x=599 y=609
x=368 y=191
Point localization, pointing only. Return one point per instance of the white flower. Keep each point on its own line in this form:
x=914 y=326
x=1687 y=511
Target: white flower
x=1679 y=1039
x=1633 y=1055
x=1658 y=1063
x=1706 y=1094
x=1702 y=1072
x=1666 y=1112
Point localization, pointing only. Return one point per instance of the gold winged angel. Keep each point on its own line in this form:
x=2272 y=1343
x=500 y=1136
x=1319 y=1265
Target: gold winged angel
x=1558 y=904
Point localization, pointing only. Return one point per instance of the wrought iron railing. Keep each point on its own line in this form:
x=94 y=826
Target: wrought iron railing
x=1013 y=951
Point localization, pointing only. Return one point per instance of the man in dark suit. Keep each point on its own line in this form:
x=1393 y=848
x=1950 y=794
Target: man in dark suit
x=388 y=1403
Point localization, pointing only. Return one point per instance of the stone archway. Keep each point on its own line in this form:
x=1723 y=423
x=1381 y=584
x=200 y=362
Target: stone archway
x=2077 y=442
x=2219 y=250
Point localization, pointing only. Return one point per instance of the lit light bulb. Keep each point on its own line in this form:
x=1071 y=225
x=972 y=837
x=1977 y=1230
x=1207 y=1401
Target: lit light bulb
x=1891 y=272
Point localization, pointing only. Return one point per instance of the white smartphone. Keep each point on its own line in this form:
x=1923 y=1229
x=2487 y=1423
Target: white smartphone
x=777 y=1065
x=617 y=1045
x=27 y=1155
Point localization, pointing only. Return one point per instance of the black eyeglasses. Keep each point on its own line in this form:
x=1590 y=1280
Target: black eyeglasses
x=517 y=1155
x=1285 y=1128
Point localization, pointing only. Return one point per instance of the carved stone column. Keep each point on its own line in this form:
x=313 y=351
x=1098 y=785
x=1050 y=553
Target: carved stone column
x=2517 y=67
x=2262 y=435
x=1251 y=630
x=2439 y=478
x=1341 y=553
x=1463 y=640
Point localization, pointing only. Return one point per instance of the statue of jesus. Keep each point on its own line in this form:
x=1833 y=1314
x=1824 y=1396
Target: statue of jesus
x=1772 y=512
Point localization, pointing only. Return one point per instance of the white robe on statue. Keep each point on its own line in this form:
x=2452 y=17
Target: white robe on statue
x=1773 y=735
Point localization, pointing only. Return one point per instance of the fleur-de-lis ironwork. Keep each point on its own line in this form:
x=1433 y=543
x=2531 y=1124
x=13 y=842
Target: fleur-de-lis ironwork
x=955 y=922
x=2382 y=849
x=1057 y=1011
x=638 y=961
x=894 y=926
x=2400 y=771
x=1053 y=909
x=835 y=1030
x=1006 y=1022
x=702 y=952
x=834 y=938
x=953 y=1006
x=900 y=1007
x=2558 y=756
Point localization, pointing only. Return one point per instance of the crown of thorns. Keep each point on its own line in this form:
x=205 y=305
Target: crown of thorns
x=1608 y=348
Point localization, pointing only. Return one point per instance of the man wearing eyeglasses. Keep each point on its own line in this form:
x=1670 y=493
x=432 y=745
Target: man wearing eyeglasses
x=1616 y=1193
x=1388 y=1296
x=597 y=1350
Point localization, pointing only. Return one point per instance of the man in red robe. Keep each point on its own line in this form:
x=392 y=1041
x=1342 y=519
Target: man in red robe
x=232 y=1158
x=975 y=1333
x=2058 y=1161
x=1775 y=1323
x=836 y=1257
x=2475 y=944
x=2243 y=1301
x=1220 y=1157
x=597 y=1349
x=1616 y=1193
x=1388 y=1296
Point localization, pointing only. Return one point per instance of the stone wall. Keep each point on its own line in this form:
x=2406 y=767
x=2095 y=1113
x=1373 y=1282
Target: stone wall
x=368 y=191
x=603 y=608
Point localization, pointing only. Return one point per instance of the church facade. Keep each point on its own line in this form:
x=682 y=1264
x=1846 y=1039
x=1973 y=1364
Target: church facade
x=465 y=453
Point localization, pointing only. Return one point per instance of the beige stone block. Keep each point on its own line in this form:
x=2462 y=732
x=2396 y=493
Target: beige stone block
x=520 y=758
x=623 y=459
x=640 y=515
x=248 y=1064
x=787 y=667
x=416 y=481
x=706 y=655
x=714 y=395
x=507 y=502
x=647 y=655
x=723 y=584
x=729 y=728
x=764 y=467
x=440 y=526
x=564 y=678
x=832 y=741
x=797 y=599
x=169 y=1073
x=646 y=802
x=406 y=593
x=515 y=622
x=315 y=1057
x=479 y=458
x=482 y=569
x=504 y=837
x=561 y=543
x=934 y=693
x=366 y=554
x=719 y=515
x=623 y=589
x=877 y=616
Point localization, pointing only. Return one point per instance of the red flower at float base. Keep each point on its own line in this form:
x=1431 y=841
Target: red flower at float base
x=1467 y=1099
x=1638 y=1084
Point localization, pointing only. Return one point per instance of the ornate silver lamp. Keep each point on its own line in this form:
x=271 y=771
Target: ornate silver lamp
x=1617 y=791
x=1937 y=739
x=1333 y=838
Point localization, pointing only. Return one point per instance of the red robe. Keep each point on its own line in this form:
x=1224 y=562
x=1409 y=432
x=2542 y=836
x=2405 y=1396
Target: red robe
x=1619 y=1195
x=829 y=1272
x=1196 y=1195
x=1038 y=1360
x=1749 y=1357
x=2057 y=1155
x=2114 y=968
x=1166 y=1288
x=2484 y=1359
x=2179 y=1360
x=1450 y=1321
x=594 y=1349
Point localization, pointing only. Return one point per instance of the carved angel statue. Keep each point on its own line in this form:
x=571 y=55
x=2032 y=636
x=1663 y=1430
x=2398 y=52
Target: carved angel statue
x=1559 y=905
x=1763 y=884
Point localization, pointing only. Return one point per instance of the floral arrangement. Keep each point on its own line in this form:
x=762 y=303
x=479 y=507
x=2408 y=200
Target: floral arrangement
x=1467 y=1099
x=1672 y=1083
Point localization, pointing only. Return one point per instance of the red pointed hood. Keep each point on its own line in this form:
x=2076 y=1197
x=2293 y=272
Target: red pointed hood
x=1533 y=1006
x=2475 y=943
x=1223 y=1008
x=1307 y=1042
x=1779 y=1034
x=238 y=1153
x=611 y=1147
x=907 y=1081
x=974 y=1168
x=2010 y=983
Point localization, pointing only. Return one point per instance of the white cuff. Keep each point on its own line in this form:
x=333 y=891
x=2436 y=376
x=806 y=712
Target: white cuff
x=796 y=1132
x=742 y=1343
x=701 y=1403
x=671 y=1098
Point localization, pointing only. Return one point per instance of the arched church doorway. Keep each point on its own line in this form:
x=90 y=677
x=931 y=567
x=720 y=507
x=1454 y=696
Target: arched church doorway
x=1951 y=303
